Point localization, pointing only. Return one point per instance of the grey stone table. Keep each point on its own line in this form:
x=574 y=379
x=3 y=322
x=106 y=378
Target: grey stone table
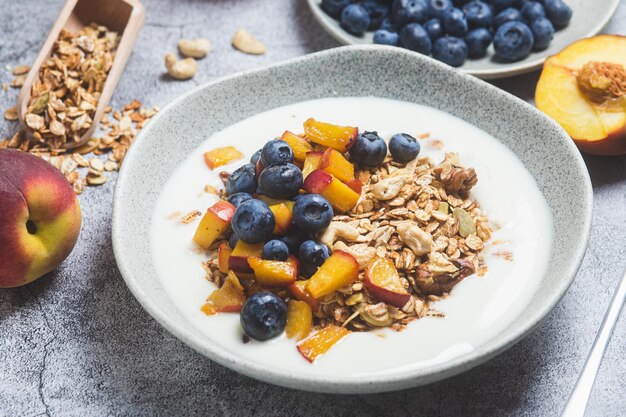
x=76 y=342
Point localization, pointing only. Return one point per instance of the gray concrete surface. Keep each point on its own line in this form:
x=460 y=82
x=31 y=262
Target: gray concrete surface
x=77 y=343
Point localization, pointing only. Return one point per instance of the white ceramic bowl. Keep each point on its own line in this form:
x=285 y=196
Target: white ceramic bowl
x=541 y=145
x=589 y=18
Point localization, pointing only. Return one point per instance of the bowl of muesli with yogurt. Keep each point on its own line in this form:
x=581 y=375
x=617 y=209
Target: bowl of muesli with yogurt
x=339 y=240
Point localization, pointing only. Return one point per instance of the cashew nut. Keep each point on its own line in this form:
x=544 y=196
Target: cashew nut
x=362 y=253
x=415 y=238
x=245 y=42
x=389 y=187
x=439 y=265
x=337 y=230
x=181 y=70
x=194 y=48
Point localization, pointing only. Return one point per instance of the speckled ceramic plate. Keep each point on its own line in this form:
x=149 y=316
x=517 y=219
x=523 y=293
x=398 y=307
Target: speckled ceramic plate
x=589 y=17
x=355 y=71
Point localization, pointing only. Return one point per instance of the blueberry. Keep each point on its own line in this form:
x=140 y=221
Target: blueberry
x=385 y=37
x=532 y=11
x=478 y=40
x=263 y=316
x=294 y=238
x=478 y=14
x=242 y=180
x=275 y=250
x=355 y=19
x=513 y=41
x=253 y=221
x=450 y=50
x=403 y=147
x=434 y=29
x=238 y=198
x=276 y=151
x=388 y=24
x=335 y=7
x=454 y=23
x=558 y=12
x=409 y=11
x=232 y=241
x=377 y=10
x=280 y=180
x=543 y=32
x=312 y=213
x=311 y=255
x=255 y=157
x=439 y=8
x=369 y=149
x=507 y=15
x=414 y=37
x=502 y=4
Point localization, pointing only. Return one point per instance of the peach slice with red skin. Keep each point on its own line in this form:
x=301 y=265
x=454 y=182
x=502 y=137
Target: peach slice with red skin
x=583 y=88
x=221 y=156
x=339 y=270
x=321 y=342
x=337 y=137
x=299 y=319
x=214 y=222
x=338 y=194
x=298 y=290
x=223 y=253
x=383 y=281
x=227 y=299
x=337 y=165
x=299 y=145
x=311 y=162
x=274 y=273
x=238 y=259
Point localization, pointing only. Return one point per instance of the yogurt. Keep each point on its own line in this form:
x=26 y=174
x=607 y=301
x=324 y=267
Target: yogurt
x=478 y=307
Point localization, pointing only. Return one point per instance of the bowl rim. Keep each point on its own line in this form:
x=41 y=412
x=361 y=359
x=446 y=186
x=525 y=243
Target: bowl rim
x=383 y=382
x=508 y=69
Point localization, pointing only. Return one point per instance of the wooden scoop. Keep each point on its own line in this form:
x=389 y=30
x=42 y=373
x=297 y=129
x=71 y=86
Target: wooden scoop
x=123 y=16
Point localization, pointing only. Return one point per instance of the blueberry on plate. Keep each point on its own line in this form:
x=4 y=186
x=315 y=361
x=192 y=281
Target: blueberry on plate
x=414 y=37
x=238 y=198
x=369 y=150
x=532 y=11
x=451 y=50
x=513 y=41
x=355 y=19
x=558 y=12
x=232 y=240
x=478 y=14
x=507 y=15
x=543 y=33
x=454 y=23
x=263 y=316
x=311 y=255
x=478 y=40
x=280 y=180
x=242 y=180
x=409 y=11
x=275 y=250
x=312 y=213
x=388 y=24
x=434 y=29
x=377 y=11
x=385 y=37
x=335 y=7
x=255 y=157
x=439 y=8
x=294 y=238
x=502 y=4
x=403 y=147
x=253 y=221
x=276 y=151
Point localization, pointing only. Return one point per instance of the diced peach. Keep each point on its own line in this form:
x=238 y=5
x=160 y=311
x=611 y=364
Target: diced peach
x=259 y=167
x=340 y=196
x=337 y=137
x=229 y=298
x=238 y=260
x=339 y=270
x=223 y=253
x=335 y=164
x=299 y=319
x=283 y=216
x=299 y=145
x=209 y=309
x=298 y=290
x=221 y=156
x=383 y=281
x=215 y=221
x=311 y=162
x=274 y=201
x=274 y=273
x=321 y=342
x=356 y=186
